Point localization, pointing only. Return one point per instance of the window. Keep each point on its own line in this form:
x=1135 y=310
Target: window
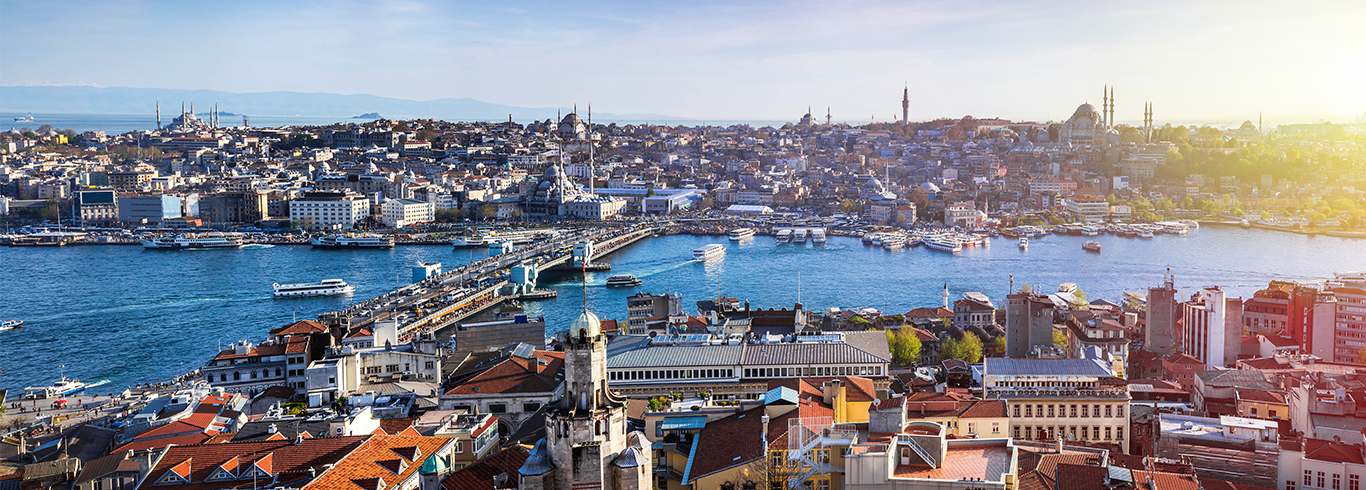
x=1085 y=412
x=1050 y=410
x=1308 y=478
x=431 y=365
x=1353 y=482
x=972 y=427
x=498 y=408
x=1029 y=410
x=1337 y=481
x=1038 y=410
x=1271 y=413
x=459 y=446
x=1290 y=485
x=1017 y=411
x=1119 y=432
x=1029 y=432
x=995 y=427
x=1072 y=411
x=1107 y=411
x=1015 y=432
x=1320 y=479
x=277 y=372
x=530 y=407
x=1107 y=433
x=1254 y=412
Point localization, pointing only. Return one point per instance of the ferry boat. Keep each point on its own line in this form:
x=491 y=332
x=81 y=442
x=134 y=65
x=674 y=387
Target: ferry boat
x=9 y=324
x=1091 y=247
x=325 y=287
x=943 y=244
x=784 y=236
x=353 y=241
x=1175 y=229
x=1089 y=230
x=210 y=240
x=799 y=236
x=709 y=251
x=501 y=247
x=741 y=234
x=28 y=118
x=818 y=237
x=867 y=239
x=469 y=241
x=62 y=387
x=1145 y=233
x=1024 y=243
x=622 y=280
x=894 y=243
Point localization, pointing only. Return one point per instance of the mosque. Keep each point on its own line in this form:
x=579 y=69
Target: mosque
x=187 y=122
x=1089 y=127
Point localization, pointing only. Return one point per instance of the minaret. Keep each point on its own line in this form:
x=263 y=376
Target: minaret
x=1259 y=123
x=158 y=113
x=589 y=135
x=946 y=295
x=1110 y=120
x=827 y=115
x=1105 y=106
x=906 y=104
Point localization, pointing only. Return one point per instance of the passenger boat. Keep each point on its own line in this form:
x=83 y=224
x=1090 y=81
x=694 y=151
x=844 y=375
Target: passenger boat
x=867 y=239
x=622 y=280
x=1091 y=247
x=325 y=287
x=1127 y=232
x=1024 y=243
x=709 y=251
x=8 y=324
x=469 y=241
x=894 y=243
x=210 y=240
x=741 y=234
x=784 y=236
x=799 y=236
x=353 y=241
x=1175 y=229
x=62 y=387
x=818 y=237
x=501 y=247
x=943 y=244
x=1145 y=233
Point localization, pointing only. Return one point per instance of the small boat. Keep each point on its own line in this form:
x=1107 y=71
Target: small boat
x=1145 y=233
x=64 y=386
x=1024 y=243
x=741 y=234
x=709 y=251
x=8 y=324
x=1091 y=247
x=894 y=243
x=867 y=239
x=622 y=280
x=325 y=287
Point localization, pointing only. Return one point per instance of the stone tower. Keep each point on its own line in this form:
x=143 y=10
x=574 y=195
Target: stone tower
x=586 y=444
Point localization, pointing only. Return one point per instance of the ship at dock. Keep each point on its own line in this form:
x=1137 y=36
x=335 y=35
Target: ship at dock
x=353 y=241
x=208 y=240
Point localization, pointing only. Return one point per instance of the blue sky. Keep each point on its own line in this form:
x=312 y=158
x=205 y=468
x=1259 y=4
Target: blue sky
x=750 y=60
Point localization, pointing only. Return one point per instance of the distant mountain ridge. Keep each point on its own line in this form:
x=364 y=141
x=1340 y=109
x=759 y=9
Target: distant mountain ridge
x=120 y=100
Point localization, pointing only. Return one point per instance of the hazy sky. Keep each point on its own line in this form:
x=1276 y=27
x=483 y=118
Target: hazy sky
x=756 y=60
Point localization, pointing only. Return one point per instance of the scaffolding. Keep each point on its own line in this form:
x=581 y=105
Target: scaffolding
x=808 y=447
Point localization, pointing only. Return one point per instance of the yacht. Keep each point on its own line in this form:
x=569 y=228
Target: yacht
x=62 y=387
x=353 y=241
x=325 y=287
x=741 y=234
x=1091 y=247
x=799 y=236
x=210 y=240
x=818 y=237
x=1024 y=243
x=622 y=280
x=943 y=244
x=8 y=324
x=784 y=236
x=709 y=251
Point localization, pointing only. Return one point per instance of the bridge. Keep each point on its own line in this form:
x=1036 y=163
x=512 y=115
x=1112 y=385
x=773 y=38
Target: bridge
x=443 y=300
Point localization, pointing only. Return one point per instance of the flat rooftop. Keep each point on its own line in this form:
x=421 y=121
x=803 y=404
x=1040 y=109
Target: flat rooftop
x=989 y=463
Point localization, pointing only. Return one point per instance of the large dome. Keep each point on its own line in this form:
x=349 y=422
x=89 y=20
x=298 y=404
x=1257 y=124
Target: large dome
x=586 y=325
x=1086 y=109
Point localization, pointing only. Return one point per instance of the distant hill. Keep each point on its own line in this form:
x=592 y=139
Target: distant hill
x=118 y=100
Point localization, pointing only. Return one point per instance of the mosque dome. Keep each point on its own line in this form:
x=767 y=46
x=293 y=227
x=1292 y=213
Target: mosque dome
x=873 y=184
x=1247 y=126
x=586 y=325
x=571 y=119
x=930 y=187
x=1085 y=109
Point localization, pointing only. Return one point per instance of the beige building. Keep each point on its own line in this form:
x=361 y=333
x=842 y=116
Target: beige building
x=1076 y=399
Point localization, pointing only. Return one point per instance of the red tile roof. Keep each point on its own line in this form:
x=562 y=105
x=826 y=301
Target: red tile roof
x=732 y=441
x=1213 y=484
x=301 y=327
x=255 y=351
x=288 y=461
x=364 y=462
x=1333 y=452
x=479 y=476
x=517 y=375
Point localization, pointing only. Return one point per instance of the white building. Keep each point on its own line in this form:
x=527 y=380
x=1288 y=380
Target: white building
x=1090 y=208
x=329 y=210
x=1212 y=330
x=399 y=213
x=595 y=207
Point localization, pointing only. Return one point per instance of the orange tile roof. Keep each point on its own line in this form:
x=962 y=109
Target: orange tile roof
x=289 y=463
x=301 y=327
x=379 y=457
x=516 y=375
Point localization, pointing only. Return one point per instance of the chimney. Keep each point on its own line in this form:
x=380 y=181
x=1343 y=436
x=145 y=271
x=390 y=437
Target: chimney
x=272 y=429
x=1059 y=445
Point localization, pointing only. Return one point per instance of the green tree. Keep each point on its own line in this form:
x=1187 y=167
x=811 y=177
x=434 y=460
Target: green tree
x=904 y=346
x=1079 y=300
x=968 y=348
x=998 y=346
x=848 y=206
x=1059 y=339
x=650 y=192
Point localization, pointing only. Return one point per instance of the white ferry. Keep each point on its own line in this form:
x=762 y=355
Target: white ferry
x=709 y=251
x=325 y=287
x=353 y=241
x=895 y=242
x=784 y=236
x=1024 y=243
x=210 y=240
x=741 y=234
x=62 y=387
x=818 y=237
x=943 y=244
x=469 y=241
x=799 y=236
x=622 y=280
x=501 y=247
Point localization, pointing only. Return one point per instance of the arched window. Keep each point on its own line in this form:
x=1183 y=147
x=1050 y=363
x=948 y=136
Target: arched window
x=236 y=376
x=277 y=372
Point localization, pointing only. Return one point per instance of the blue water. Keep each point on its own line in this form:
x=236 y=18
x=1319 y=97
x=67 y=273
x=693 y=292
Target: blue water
x=122 y=123
x=125 y=315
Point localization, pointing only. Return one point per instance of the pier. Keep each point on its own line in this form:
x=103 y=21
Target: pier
x=443 y=300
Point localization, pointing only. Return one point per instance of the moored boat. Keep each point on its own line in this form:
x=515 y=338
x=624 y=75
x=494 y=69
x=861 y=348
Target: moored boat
x=1091 y=247
x=741 y=234
x=353 y=241
x=209 y=240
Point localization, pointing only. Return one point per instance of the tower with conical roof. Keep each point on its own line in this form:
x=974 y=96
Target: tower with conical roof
x=586 y=442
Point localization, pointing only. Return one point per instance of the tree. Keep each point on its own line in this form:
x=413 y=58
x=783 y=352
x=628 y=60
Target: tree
x=487 y=212
x=1059 y=339
x=904 y=346
x=1079 y=300
x=650 y=192
x=998 y=346
x=967 y=348
x=848 y=206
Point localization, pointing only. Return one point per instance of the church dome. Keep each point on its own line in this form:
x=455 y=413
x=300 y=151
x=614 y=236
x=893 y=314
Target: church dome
x=586 y=325
x=1085 y=109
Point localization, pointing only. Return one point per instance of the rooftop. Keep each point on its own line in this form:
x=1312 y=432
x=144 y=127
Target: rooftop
x=979 y=461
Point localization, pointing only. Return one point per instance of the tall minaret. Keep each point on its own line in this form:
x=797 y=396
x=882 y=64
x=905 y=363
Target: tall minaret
x=1110 y=119
x=158 y=113
x=906 y=104
x=946 y=295
x=827 y=115
x=589 y=135
x=1105 y=106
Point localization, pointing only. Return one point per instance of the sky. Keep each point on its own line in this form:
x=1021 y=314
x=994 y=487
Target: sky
x=747 y=60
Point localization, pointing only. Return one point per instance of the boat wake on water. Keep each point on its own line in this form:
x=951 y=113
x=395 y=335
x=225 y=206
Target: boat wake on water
x=257 y=246
x=97 y=383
